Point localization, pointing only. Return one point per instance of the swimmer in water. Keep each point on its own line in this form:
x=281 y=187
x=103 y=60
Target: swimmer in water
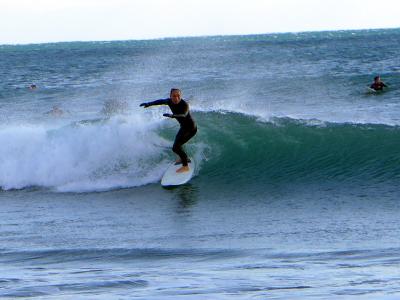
x=378 y=85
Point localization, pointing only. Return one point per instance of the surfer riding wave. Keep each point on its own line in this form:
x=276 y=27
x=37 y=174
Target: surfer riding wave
x=180 y=112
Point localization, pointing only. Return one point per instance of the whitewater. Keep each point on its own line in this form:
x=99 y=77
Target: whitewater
x=297 y=185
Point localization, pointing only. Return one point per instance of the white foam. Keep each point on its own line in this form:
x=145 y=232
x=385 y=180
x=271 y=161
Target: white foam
x=119 y=152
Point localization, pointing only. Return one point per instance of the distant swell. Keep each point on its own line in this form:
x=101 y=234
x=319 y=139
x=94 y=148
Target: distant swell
x=39 y=257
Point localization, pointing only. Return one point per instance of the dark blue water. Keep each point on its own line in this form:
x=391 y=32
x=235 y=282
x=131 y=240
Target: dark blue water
x=295 y=194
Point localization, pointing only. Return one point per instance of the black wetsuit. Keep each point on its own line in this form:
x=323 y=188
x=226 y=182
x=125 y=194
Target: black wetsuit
x=378 y=86
x=188 y=128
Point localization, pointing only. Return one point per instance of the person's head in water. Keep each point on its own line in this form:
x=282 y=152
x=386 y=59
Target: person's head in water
x=32 y=86
x=377 y=79
x=56 y=111
x=175 y=95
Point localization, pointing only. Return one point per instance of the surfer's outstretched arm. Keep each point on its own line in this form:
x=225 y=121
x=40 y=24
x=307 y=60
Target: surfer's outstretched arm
x=183 y=114
x=156 y=102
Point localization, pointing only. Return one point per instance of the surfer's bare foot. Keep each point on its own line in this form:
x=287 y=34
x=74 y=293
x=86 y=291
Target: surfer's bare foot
x=183 y=169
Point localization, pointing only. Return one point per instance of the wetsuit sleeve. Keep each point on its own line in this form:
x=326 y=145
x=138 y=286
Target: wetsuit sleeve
x=184 y=112
x=157 y=102
x=384 y=85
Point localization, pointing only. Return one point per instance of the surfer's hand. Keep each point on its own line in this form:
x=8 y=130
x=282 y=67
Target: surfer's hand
x=144 y=104
x=167 y=115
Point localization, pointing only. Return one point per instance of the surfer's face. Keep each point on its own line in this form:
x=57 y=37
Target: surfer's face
x=175 y=97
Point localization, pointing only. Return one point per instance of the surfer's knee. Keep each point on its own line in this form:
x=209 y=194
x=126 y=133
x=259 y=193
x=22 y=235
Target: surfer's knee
x=176 y=147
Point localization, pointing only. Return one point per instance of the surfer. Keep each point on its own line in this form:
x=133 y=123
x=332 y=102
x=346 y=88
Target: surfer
x=55 y=112
x=180 y=111
x=378 y=85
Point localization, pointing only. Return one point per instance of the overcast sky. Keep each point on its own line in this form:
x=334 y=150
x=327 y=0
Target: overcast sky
x=35 y=21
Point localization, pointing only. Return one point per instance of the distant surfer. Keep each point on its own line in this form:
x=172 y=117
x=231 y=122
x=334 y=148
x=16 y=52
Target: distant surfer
x=180 y=111
x=55 y=112
x=32 y=87
x=378 y=84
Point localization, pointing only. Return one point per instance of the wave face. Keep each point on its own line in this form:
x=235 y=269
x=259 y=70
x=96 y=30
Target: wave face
x=287 y=150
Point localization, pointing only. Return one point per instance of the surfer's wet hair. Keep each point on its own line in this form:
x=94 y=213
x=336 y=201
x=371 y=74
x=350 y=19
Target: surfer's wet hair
x=175 y=90
x=376 y=77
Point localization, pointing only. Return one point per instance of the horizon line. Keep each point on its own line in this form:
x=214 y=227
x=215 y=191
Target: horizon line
x=197 y=36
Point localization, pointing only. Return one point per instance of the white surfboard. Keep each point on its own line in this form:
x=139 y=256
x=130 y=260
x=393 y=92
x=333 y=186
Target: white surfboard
x=371 y=91
x=172 y=178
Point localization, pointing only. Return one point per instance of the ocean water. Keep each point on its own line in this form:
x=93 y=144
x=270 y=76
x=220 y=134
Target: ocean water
x=296 y=192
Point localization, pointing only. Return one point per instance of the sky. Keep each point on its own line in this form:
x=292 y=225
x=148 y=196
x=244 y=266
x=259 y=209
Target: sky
x=39 y=21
